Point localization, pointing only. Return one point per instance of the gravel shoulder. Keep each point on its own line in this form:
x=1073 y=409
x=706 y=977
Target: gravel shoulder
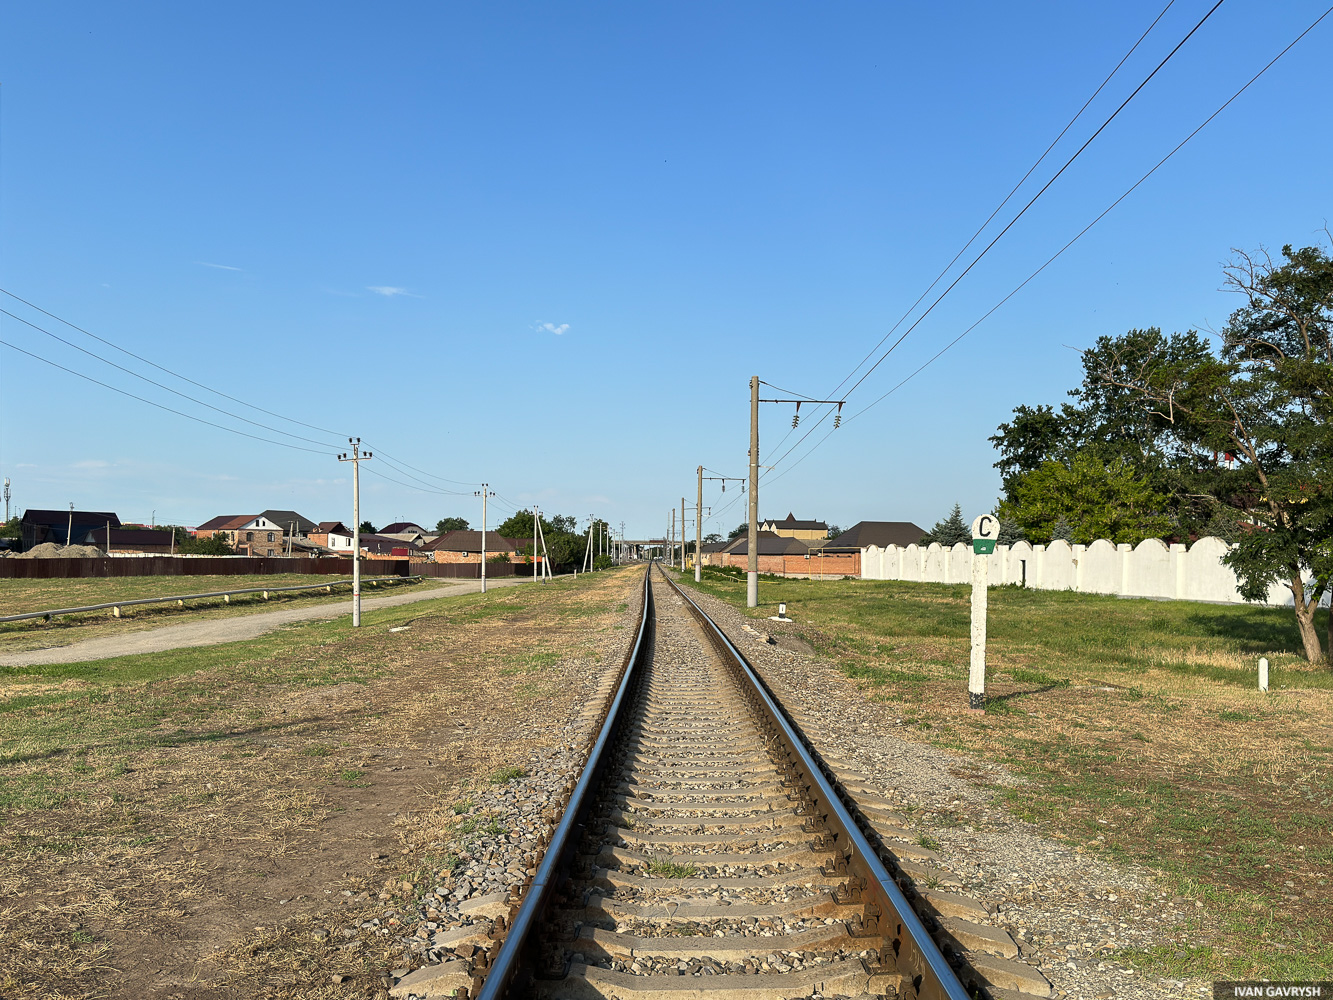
x=1068 y=910
x=233 y=629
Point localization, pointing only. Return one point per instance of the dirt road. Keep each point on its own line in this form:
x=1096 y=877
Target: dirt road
x=219 y=630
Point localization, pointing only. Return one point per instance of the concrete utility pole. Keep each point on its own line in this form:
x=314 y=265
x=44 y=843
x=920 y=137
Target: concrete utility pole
x=536 y=516
x=484 y=493
x=699 y=529
x=752 y=538
x=671 y=540
x=682 y=534
x=356 y=458
x=6 y=498
x=69 y=532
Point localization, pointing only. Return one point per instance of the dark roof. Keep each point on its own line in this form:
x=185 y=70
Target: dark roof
x=791 y=524
x=470 y=541
x=401 y=528
x=715 y=546
x=770 y=544
x=223 y=521
x=60 y=518
x=382 y=546
x=337 y=527
x=130 y=536
x=285 y=518
x=881 y=533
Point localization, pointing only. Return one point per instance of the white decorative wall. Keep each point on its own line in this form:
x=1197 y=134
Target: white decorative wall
x=1149 y=569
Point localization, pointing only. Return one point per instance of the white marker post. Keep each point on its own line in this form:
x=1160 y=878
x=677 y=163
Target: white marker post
x=985 y=529
x=1263 y=673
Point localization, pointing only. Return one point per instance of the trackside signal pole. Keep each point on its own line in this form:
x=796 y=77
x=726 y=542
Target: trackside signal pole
x=484 y=492
x=356 y=458
x=985 y=531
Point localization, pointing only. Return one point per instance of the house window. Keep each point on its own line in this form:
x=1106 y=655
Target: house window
x=249 y=536
x=270 y=552
x=270 y=538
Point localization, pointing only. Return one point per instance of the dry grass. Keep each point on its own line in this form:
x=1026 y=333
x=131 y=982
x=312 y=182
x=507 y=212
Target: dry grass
x=179 y=824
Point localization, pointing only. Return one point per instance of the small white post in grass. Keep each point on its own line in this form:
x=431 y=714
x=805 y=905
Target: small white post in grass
x=1263 y=673
x=985 y=529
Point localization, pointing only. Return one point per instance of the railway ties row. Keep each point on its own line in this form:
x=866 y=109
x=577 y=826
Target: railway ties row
x=709 y=851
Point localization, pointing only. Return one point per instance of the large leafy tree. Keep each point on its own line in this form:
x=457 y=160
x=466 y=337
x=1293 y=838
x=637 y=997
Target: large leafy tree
x=739 y=530
x=454 y=524
x=1256 y=417
x=1095 y=499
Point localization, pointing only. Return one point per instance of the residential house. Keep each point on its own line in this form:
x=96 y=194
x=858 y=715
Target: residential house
x=465 y=547
x=807 y=531
x=383 y=547
x=58 y=526
x=402 y=527
x=247 y=534
x=157 y=541
x=291 y=522
x=774 y=552
x=863 y=534
x=333 y=535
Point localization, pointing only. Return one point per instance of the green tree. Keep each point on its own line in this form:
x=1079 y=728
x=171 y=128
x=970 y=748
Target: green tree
x=454 y=524
x=712 y=538
x=188 y=545
x=950 y=530
x=11 y=528
x=833 y=531
x=1257 y=416
x=368 y=529
x=519 y=525
x=739 y=530
x=1096 y=499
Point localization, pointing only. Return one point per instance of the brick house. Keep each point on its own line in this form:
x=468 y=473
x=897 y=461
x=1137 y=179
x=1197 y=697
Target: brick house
x=789 y=527
x=333 y=535
x=247 y=534
x=465 y=547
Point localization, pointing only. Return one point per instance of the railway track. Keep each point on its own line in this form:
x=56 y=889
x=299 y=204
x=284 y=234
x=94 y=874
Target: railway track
x=708 y=851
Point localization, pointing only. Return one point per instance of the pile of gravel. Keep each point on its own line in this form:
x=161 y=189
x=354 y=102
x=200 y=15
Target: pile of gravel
x=50 y=550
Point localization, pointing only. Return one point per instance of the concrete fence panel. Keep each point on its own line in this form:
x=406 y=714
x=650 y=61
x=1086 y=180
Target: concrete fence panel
x=1149 y=569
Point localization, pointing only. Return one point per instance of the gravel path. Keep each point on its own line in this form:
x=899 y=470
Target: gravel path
x=220 y=630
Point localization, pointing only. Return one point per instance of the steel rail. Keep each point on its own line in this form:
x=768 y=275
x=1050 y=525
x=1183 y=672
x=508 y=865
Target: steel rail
x=550 y=873
x=917 y=954
x=195 y=597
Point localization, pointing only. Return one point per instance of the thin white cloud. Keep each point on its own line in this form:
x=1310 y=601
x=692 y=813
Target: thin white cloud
x=552 y=328
x=220 y=267
x=389 y=291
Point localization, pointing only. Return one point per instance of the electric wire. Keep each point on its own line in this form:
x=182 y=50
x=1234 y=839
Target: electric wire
x=161 y=406
x=175 y=374
x=1050 y=260
x=929 y=309
x=166 y=388
x=1022 y=180
x=975 y=260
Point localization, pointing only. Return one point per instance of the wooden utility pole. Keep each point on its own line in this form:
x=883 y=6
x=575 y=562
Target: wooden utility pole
x=752 y=538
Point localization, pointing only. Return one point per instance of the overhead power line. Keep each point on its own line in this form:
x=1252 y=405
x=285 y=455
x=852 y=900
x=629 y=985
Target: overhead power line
x=160 y=406
x=165 y=388
x=1044 y=188
x=1079 y=235
x=174 y=374
x=915 y=323
x=1014 y=190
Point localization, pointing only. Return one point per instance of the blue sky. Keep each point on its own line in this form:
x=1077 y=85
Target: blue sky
x=545 y=246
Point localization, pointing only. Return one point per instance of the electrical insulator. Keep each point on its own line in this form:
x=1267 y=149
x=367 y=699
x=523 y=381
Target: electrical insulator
x=795 y=420
x=837 y=421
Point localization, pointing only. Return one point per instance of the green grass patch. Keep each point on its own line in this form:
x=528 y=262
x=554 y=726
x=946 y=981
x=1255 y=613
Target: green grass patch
x=507 y=774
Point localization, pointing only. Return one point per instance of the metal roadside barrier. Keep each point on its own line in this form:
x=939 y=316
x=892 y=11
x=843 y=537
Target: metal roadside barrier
x=182 y=598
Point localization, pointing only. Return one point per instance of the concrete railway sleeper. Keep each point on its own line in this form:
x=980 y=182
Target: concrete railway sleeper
x=709 y=851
